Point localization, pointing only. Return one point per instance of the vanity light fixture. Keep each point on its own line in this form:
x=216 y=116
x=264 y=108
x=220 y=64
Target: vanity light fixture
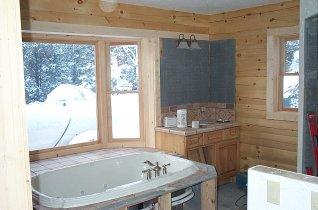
x=194 y=45
x=191 y=44
x=182 y=43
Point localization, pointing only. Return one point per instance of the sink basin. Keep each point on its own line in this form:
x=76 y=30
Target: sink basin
x=209 y=124
x=205 y=124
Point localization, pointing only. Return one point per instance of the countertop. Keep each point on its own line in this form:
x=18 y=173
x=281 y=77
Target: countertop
x=192 y=131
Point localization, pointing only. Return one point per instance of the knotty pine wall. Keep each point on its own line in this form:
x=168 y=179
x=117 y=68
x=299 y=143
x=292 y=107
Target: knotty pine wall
x=267 y=142
x=89 y=12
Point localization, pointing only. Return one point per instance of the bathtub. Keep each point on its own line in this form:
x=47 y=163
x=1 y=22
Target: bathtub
x=107 y=179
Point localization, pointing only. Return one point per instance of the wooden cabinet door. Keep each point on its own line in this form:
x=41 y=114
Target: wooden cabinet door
x=196 y=155
x=210 y=154
x=227 y=157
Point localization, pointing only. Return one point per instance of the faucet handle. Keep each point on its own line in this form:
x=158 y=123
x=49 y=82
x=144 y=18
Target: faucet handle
x=164 y=168
x=148 y=171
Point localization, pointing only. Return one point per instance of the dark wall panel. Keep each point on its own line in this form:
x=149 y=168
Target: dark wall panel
x=183 y=74
x=223 y=71
x=310 y=86
x=197 y=76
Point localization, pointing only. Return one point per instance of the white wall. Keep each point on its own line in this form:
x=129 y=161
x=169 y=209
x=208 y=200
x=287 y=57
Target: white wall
x=295 y=190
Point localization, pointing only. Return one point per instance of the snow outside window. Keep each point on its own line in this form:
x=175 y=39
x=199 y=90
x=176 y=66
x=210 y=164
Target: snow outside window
x=60 y=92
x=289 y=73
x=125 y=97
x=282 y=73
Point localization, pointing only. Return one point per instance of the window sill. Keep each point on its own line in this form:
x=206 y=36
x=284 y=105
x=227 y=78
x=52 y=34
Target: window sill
x=282 y=115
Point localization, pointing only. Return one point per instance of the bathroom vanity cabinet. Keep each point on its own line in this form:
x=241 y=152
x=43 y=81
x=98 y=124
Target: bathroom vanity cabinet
x=219 y=147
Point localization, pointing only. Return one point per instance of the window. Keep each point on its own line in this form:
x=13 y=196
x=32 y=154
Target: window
x=289 y=73
x=82 y=94
x=124 y=93
x=60 y=92
x=282 y=73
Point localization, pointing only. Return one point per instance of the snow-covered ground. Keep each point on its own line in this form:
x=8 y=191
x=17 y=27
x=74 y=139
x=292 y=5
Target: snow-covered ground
x=68 y=108
x=68 y=116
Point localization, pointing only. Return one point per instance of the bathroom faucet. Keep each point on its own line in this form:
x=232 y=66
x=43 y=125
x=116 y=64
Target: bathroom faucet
x=148 y=171
x=164 y=168
x=149 y=163
x=157 y=169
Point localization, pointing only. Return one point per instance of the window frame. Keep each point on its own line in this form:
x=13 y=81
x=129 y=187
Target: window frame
x=102 y=60
x=133 y=142
x=283 y=40
x=275 y=66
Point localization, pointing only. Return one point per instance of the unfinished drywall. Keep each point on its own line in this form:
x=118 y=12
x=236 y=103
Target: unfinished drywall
x=274 y=189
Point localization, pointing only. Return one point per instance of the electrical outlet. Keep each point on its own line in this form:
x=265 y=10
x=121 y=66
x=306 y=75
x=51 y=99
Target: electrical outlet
x=273 y=192
x=314 y=200
x=203 y=109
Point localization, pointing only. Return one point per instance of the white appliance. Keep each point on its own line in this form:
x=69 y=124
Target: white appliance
x=181 y=118
x=170 y=122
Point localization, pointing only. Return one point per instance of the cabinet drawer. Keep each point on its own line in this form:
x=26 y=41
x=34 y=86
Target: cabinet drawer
x=212 y=137
x=194 y=141
x=231 y=133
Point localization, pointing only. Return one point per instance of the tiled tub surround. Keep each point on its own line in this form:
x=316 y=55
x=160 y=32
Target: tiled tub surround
x=213 y=111
x=203 y=174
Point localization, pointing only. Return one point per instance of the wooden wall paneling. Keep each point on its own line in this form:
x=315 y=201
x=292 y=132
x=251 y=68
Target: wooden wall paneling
x=262 y=129
x=252 y=11
x=15 y=181
x=127 y=16
x=260 y=20
x=272 y=136
x=276 y=139
x=148 y=49
x=247 y=162
x=246 y=139
x=250 y=92
x=269 y=123
x=269 y=154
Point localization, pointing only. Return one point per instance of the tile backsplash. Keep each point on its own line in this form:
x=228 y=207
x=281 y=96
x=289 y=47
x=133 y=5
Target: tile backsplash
x=202 y=111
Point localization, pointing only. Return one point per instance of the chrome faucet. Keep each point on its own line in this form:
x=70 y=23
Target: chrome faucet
x=164 y=168
x=149 y=163
x=148 y=171
x=157 y=169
